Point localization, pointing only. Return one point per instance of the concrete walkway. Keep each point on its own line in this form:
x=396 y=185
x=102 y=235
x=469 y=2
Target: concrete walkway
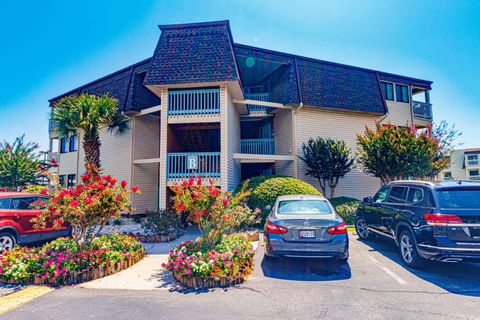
x=148 y=273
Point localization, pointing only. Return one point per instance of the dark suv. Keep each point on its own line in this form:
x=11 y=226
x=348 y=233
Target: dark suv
x=435 y=221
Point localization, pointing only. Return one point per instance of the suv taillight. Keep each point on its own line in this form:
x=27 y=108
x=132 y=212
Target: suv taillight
x=273 y=228
x=441 y=219
x=338 y=229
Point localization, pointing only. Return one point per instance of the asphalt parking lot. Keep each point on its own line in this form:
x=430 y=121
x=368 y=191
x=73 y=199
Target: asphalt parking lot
x=373 y=285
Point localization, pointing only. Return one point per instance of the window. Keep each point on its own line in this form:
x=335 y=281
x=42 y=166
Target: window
x=24 y=203
x=304 y=207
x=474 y=157
x=71 y=180
x=473 y=173
x=61 y=180
x=415 y=195
x=387 y=90
x=63 y=145
x=381 y=195
x=397 y=195
x=447 y=176
x=459 y=198
x=4 y=203
x=73 y=143
x=402 y=93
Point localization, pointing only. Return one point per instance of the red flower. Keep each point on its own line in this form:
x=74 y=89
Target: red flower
x=118 y=198
x=43 y=191
x=123 y=183
x=135 y=188
x=74 y=203
x=225 y=202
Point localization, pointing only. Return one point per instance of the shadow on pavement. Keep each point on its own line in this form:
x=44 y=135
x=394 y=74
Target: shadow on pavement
x=458 y=278
x=302 y=269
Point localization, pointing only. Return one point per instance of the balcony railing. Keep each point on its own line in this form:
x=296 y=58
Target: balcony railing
x=193 y=164
x=422 y=110
x=193 y=102
x=472 y=162
x=257 y=146
x=474 y=178
x=258 y=97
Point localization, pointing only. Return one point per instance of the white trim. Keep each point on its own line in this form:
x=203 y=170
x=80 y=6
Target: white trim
x=263 y=157
x=262 y=103
x=144 y=161
x=149 y=110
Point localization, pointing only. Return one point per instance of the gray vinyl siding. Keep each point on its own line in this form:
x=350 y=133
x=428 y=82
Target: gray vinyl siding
x=314 y=122
x=233 y=143
x=283 y=134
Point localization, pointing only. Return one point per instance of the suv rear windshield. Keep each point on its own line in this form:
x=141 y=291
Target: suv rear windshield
x=304 y=207
x=459 y=198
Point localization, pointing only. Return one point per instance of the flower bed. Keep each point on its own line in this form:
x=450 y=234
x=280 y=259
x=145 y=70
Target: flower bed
x=60 y=262
x=229 y=263
x=160 y=227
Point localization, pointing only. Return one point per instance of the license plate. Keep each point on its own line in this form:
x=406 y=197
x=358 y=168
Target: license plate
x=305 y=234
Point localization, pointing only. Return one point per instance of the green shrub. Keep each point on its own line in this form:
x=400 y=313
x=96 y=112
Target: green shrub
x=254 y=182
x=265 y=193
x=346 y=208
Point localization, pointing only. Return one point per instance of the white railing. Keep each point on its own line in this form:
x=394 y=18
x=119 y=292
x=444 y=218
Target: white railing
x=194 y=102
x=257 y=146
x=472 y=162
x=474 y=178
x=207 y=164
x=257 y=97
x=422 y=110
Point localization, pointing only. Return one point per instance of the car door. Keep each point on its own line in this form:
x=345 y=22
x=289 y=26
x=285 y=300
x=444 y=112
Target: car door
x=23 y=214
x=396 y=202
x=372 y=210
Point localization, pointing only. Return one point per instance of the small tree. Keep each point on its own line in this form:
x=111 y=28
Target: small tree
x=215 y=212
x=19 y=164
x=393 y=153
x=327 y=160
x=88 y=114
x=87 y=207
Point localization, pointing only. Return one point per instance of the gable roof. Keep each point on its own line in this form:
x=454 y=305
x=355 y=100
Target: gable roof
x=192 y=53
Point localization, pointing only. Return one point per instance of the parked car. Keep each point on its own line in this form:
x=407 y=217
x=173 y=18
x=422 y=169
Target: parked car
x=435 y=221
x=305 y=226
x=16 y=213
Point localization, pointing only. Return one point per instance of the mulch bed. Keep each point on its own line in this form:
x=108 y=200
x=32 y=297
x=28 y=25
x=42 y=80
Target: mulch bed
x=89 y=274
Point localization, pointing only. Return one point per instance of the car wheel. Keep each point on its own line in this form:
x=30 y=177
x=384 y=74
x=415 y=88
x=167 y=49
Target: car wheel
x=7 y=241
x=362 y=230
x=408 y=250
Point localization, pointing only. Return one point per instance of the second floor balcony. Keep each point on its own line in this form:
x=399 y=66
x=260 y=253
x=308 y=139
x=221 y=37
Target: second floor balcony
x=257 y=146
x=194 y=102
x=181 y=165
x=422 y=110
x=257 y=110
x=472 y=162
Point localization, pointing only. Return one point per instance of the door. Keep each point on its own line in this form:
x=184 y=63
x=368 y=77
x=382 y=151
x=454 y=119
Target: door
x=23 y=214
x=371 y=211
x=396 y=201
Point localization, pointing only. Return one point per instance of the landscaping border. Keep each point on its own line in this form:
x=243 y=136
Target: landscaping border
x=88 y=274
x=160 y=238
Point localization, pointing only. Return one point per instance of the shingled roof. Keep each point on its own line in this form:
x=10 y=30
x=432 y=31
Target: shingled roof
x=125 y=85
x=191 y=53
x=205 y=52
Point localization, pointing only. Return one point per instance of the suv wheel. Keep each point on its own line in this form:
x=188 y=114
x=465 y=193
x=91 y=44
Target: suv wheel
x=408 y=250
x=362 y=230
x=7 y=241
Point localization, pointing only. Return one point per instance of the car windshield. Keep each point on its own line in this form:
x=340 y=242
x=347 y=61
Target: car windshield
x=459 y=198
x=303 y=207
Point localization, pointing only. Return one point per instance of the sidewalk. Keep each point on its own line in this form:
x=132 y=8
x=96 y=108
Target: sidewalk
x=146 y=274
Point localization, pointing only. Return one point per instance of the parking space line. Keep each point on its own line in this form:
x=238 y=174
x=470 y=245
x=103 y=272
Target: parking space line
x=379 y=264
x=16 y=299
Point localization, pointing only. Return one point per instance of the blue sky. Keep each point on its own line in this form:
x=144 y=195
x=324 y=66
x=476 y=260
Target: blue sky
x=50 y=47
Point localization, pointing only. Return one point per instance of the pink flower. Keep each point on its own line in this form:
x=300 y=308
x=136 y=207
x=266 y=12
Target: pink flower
x=123 y=183
x=135 y=188
x=225 y=202
x=43 y=191
x=74 y=203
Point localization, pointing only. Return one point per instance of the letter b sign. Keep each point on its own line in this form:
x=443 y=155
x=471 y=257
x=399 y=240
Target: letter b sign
x=192 y=162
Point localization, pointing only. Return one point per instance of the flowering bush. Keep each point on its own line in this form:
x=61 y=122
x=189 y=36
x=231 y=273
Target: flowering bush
x=392 y=153
x=87 y=207
x=232 y=257
x=59 y=258
x=157 y=223
x=214 y=211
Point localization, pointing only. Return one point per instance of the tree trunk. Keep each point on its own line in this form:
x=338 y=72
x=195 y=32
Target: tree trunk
x=92 y=154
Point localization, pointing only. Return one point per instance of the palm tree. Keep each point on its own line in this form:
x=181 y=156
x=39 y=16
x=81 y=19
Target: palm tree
x=89 y=114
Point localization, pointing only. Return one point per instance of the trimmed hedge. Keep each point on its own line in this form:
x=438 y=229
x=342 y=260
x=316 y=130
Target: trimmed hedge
x=265 y=189
x=346 y=208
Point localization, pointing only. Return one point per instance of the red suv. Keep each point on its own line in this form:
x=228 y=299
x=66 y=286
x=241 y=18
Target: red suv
x=16 y=213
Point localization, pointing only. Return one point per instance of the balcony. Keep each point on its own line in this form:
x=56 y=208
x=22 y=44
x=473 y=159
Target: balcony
x=476 y=178
x=257 y=110
x=194 y=102
x=52 y=126
x=182 y=165
x=257 y=146
x=422 y=110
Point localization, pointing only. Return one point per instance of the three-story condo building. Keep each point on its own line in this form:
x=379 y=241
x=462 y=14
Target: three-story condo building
x=204 y=105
